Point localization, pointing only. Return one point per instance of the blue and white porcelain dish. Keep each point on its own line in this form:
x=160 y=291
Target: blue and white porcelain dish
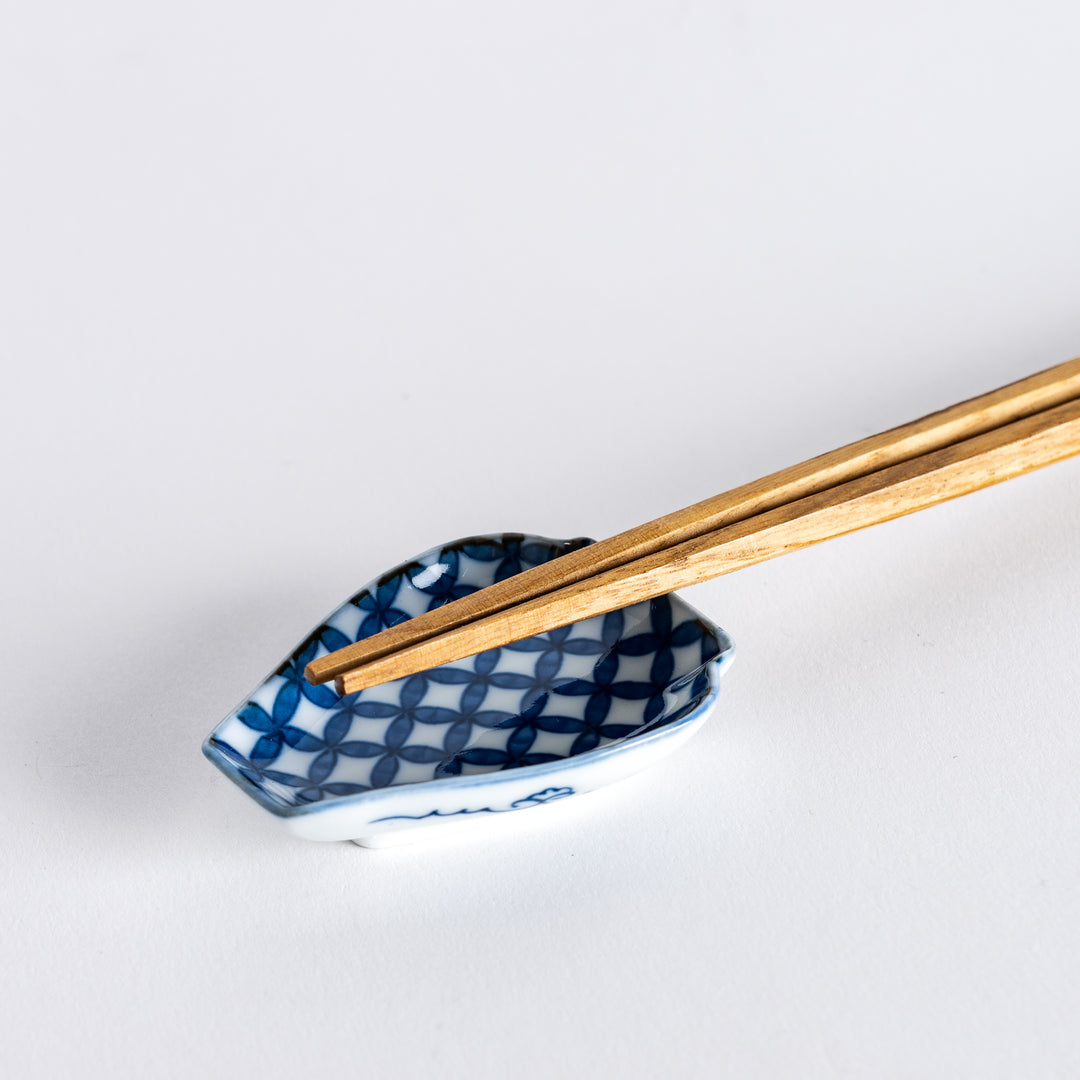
x=510 y=729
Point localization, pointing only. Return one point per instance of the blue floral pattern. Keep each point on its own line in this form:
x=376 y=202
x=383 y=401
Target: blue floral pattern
x=552 y=696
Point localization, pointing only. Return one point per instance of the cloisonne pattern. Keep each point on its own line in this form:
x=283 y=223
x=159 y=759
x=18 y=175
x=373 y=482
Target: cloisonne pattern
x=549 y=697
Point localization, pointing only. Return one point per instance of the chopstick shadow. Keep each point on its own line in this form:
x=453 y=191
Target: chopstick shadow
x=1027 y=538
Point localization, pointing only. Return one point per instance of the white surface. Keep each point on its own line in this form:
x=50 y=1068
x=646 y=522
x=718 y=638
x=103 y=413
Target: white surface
x=290 y=291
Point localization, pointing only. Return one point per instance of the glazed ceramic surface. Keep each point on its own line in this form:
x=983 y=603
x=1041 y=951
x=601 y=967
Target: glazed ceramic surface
x=510 y=729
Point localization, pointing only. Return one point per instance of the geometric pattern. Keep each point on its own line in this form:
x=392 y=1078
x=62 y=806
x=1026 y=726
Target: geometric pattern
x=552 y=696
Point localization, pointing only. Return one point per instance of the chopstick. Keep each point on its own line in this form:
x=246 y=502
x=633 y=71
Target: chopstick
x=901 y=489
x=663 y=537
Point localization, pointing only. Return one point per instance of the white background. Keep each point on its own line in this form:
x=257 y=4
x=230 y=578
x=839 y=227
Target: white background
x=289 y=292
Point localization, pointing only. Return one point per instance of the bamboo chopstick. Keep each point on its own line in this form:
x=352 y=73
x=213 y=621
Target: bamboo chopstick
x=924 y=481
x=964 y=420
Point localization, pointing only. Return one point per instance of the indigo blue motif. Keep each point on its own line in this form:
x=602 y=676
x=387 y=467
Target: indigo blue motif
x=378 y=606
x=552 y=696
x=537 y=799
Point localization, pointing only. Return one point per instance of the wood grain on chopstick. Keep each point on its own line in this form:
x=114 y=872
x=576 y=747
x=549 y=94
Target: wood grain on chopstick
x=964 y=420
x=932 y=478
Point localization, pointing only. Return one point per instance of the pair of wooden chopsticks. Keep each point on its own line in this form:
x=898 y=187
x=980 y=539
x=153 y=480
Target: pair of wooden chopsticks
x=968 y=446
